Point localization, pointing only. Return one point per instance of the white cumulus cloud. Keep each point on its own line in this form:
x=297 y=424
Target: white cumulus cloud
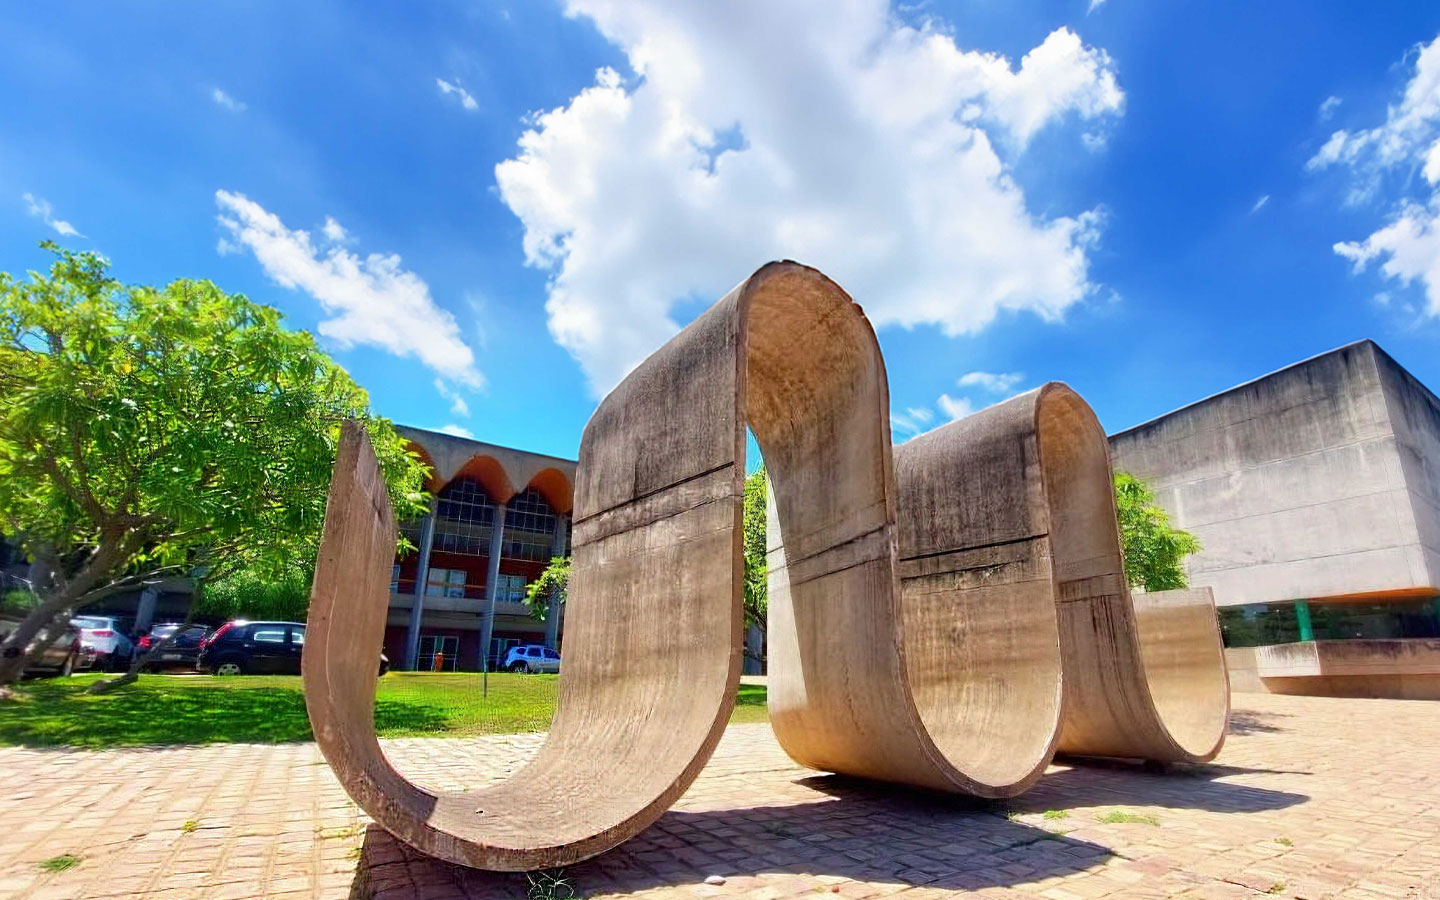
x=457 y=431
x=1260 y=203
x=458 y=406
x=225 y=100
x=1410 y=129
x=955 y=407
x=334 y=230
x=40 y=208
x=999 y=383
x=447 y=87
x=372 y=300
x=913 y=421
x=1328 y=107
x=827 y=132
x=1407 y=248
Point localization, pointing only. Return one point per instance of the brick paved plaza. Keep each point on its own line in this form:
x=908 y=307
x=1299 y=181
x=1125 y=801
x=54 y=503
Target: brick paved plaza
x=1312 y=797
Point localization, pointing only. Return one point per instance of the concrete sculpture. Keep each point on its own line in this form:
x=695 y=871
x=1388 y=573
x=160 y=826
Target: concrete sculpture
x=938 y=651
x=1016 y=501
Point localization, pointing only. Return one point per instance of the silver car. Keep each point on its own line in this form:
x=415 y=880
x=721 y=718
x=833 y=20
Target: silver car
x=104 y=636
x=531 y=658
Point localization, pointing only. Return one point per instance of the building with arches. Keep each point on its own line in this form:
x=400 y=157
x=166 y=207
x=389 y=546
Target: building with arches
x=497 y=517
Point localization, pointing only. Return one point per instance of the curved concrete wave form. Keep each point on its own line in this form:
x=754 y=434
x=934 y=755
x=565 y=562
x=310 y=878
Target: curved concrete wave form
x=944 y=618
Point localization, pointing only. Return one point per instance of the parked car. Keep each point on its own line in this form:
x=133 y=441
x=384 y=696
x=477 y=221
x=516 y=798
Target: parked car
x=531 y=658
x=253 y=648
x=257 y=648
x=104 y=636
x=177 y=648
x=62 y=657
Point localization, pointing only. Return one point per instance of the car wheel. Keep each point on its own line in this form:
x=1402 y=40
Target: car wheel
x=67 y=668
x=229 y=667
x=517 y=667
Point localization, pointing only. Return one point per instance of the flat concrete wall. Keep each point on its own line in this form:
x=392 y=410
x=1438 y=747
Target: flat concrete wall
x=1415 y=419
x=1296 y=484
x=1398 y=669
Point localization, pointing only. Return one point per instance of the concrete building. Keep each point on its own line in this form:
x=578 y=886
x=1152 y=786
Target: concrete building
x=1315 y=493
x=498 y=517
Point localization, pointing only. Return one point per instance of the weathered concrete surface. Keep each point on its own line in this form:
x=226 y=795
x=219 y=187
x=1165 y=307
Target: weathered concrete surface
x=926 y=689
x=1319 y=480
x=1407 y=669
x=981 y=638
x=1011 y=552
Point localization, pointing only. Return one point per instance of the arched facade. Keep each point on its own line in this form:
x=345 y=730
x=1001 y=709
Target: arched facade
x=450 y=572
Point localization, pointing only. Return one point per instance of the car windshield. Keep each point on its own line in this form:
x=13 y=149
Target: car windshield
x=161 y=631
x=90 y=622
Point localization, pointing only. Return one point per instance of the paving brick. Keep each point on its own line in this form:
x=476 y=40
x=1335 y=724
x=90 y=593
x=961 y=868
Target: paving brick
x=1312 y=797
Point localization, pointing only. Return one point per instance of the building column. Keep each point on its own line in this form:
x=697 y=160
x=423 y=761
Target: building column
x=1302 y=618
x=145 y=611
x=422 y=578
x=552 y=612
x=492 y=586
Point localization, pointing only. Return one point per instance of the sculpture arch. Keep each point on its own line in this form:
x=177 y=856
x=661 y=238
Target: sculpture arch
x=885 y=663
x=1027 y=483
x=647 y=691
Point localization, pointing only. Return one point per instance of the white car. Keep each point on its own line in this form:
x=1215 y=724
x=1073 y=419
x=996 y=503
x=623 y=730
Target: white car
x=104 y=637
x=531 y=658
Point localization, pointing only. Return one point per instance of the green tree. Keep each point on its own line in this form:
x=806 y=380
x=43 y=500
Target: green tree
x=283 y=597
x=148 y=431
x=753 y=519
x=549 y=587
x=1154 y=551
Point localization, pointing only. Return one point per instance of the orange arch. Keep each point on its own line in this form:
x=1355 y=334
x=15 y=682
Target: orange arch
x=491 y=475
x=432 y=477
x=555 y=488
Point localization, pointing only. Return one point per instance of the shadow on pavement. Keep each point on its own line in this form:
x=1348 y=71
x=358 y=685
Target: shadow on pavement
x=853 y=831
x=1093 y=783
x=861 y=832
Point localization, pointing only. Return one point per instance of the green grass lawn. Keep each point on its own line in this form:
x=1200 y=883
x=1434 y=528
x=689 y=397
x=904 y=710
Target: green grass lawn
x=170 y=709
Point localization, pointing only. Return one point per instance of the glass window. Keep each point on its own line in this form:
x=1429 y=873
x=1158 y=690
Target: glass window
x=551 y=654
x=529 y=527
x=511 y=589
x=1396 y=619
x=268 y=635
x=465 y=515
x=445 y=646
x=297 y=635
x=445 y=583
x=1264 y=624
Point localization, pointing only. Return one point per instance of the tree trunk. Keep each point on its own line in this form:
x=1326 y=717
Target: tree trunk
x=18 y=645
x=48 y=634
x=72 y=592
x=139 y=660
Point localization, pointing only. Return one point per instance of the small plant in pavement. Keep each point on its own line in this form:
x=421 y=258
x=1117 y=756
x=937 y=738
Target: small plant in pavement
x=1120 y=817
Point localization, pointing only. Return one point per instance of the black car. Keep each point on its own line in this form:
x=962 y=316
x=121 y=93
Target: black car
x=172 y=646
x=253 y=648
x=257 y=648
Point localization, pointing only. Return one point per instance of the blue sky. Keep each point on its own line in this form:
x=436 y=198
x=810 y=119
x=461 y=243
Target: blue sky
x=1143 y=200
